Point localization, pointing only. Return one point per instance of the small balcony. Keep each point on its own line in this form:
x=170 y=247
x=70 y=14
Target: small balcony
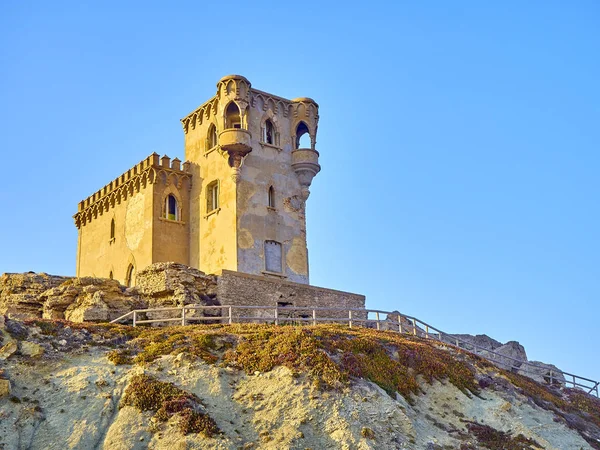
x=306 y=157
x=305 y=163
x=235 y=140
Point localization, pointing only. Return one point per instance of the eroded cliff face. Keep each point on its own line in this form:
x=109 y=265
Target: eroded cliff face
x=96 y=386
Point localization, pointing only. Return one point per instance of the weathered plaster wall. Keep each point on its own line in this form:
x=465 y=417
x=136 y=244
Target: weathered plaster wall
x=170 y=237
x=212 y=241
x=98 y=255
x=235 y=288
x=266 y=166
x=135 y=200
x=233 y=238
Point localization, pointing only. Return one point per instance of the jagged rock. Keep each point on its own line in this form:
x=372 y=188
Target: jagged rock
x=481 y=340
x=391 y=323
x=32 y=295
x=31 y=349
x=172 y=284
x=4 y=388
x=20 y=293
x=511 y=349
x=543 y=373
x=90 y=299
x=8 y=350
x=15 y=329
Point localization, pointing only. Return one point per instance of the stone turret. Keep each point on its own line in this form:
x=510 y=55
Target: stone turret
x=253 y=180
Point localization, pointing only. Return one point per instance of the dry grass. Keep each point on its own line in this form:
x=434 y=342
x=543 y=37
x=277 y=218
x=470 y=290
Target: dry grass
x=166 y=400
x=493 y=439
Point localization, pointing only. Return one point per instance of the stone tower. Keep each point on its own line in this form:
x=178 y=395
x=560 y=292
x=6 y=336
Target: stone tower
x=251 y=179
x=237 y=203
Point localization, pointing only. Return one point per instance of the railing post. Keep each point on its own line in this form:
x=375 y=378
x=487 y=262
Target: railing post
x=427 y=331
x=574 y=382
x=134 y=317
x=414 y=327
x=230 y=318
x=350 y=319
x=183 y=316
x=377 y=316
x=314 y=316
x=276 y=315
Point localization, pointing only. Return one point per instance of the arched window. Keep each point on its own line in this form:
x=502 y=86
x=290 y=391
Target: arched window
x=211 y=137
x=270 y=133
x=110 y=275
x=302 y=136
x=171 y=208
x=232 y=116
x=130 y=277
x=112 y=230
x=271 y=197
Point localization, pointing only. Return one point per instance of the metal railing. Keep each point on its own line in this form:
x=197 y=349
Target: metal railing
x=370 y=318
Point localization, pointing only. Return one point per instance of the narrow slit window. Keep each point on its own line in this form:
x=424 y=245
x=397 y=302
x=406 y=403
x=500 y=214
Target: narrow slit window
x=212 y=196
x=130 y=277
x=112 y=229
x=269 y=137
x=110 y=275
x=273 y=259
x=271 y=197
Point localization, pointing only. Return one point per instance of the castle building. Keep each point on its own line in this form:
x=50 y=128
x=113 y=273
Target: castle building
x=237 y=203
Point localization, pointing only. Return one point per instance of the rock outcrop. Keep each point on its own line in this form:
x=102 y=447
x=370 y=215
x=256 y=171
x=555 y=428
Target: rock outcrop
x=90 y=299
x=20 y=293
x=504 y=356
x=172 y=284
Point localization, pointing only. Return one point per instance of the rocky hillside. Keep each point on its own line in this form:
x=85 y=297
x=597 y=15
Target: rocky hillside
x=71 y=385
x=39 y=295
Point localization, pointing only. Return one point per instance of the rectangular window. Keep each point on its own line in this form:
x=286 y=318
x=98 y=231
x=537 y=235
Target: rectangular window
x=212 y=196
x=273 y=260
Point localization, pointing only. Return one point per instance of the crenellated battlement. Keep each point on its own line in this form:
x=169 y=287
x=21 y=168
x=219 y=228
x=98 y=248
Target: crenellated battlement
x=150 y=170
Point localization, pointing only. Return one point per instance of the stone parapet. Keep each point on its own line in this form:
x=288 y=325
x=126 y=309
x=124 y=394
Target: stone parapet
x=298 y=108
x=236 y=288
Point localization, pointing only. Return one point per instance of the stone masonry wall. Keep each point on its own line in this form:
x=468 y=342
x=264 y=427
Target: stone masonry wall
x=236 y=288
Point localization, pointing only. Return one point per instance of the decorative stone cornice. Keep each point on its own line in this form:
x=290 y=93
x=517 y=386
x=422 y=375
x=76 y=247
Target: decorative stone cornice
x=151 y=170
x=196 y=117
x=279 y=105
x=299 y=108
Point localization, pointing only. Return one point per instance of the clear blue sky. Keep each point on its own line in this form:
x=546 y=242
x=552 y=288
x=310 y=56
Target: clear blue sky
x=459 y=141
